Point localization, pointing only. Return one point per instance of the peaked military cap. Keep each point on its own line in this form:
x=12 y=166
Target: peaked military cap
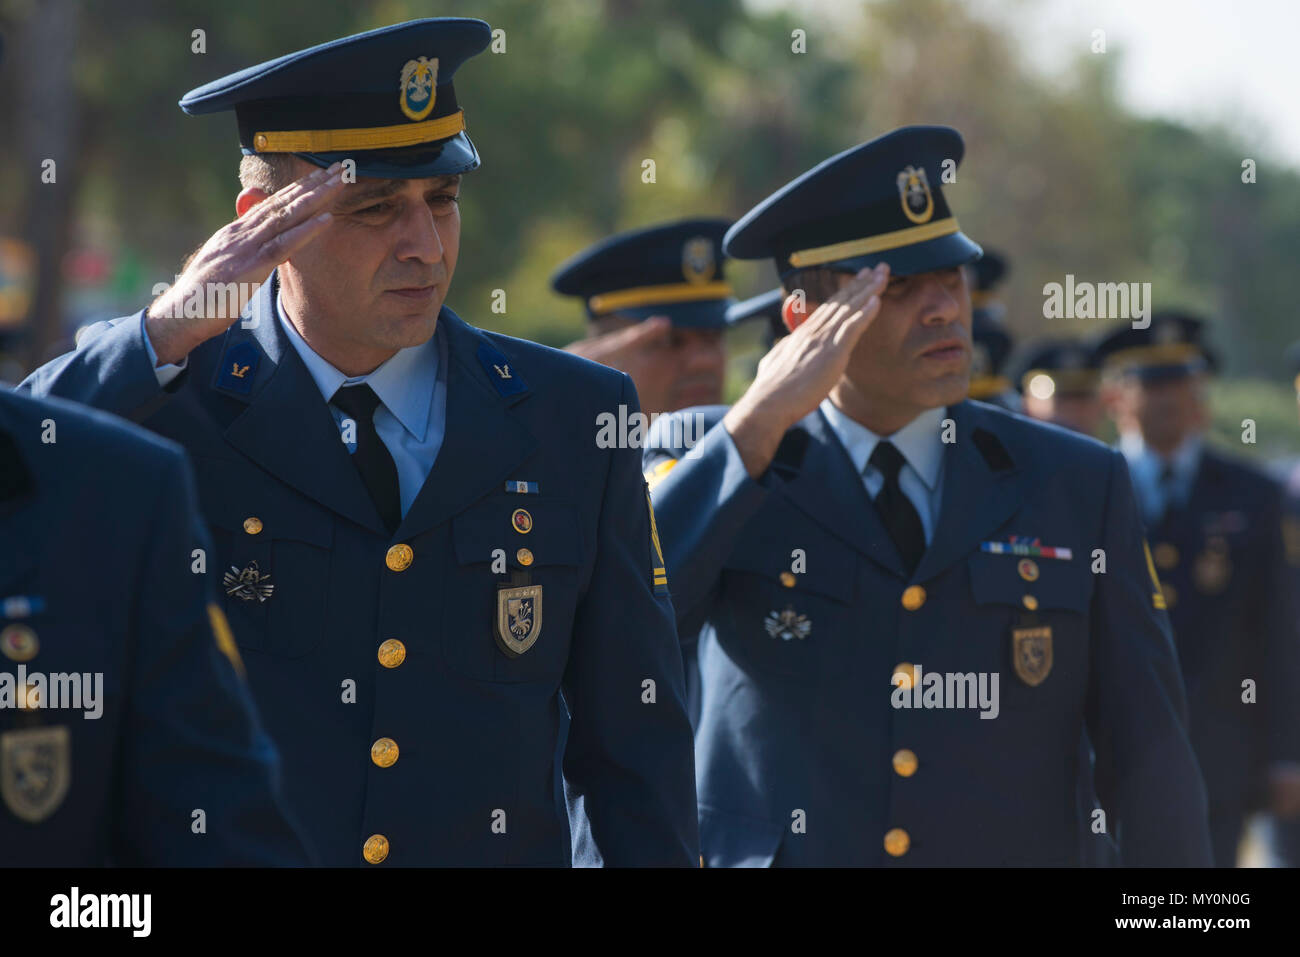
x=987 y=274
x=881 y=201
x=991 y=345
x=672 y=270
x=766 y=306
x=383 y=99
x=1059 y=367
x=1171 y=346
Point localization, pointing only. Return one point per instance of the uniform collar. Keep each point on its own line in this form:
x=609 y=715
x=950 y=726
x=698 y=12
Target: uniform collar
x=920 y=441
x=404 y=383
x=1143 y=458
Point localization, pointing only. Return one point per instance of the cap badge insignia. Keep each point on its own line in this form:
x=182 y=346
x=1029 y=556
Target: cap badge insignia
x=419 y=79
x=698 y=261
x=914 y=193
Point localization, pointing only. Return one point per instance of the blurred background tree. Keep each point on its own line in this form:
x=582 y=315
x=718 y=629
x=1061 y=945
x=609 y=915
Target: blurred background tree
x=1059 y=175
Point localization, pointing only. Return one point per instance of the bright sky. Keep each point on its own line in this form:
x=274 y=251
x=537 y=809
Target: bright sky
x=1228 y=62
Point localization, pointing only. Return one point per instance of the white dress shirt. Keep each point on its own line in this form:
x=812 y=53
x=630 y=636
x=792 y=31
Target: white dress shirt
x=921 y=444
x=412 y=390
x=1145 y=466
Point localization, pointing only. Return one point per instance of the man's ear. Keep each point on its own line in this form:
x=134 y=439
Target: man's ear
x=247 y=199
x=791 y=314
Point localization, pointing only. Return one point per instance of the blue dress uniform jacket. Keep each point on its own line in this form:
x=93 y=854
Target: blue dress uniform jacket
x=99 y=524
x=801 y=756
x=1222 y=561
x=380 y=650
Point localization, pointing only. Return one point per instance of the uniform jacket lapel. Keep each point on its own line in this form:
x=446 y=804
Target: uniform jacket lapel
x=483 y=440
x=826 y=487
x=287 y=428
x=982 y=488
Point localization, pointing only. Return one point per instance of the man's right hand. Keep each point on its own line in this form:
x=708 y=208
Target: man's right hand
x=802 y=368
x=244 y=251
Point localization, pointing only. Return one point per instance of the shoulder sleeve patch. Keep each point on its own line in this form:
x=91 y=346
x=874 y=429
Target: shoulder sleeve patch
x=499 y=372
x=1157 y=596
x=656 y=473
x=225 y=638
x=658 y=573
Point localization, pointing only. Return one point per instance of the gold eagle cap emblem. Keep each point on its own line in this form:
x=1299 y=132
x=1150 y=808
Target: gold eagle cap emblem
x=418 y=87
x=914 y=194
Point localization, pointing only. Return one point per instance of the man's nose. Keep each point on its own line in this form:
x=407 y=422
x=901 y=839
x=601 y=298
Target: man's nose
x=419 y=235
x=941 y=304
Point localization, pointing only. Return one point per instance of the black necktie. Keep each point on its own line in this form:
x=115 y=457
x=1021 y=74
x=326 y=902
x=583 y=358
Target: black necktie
x=896 y=509
x=372 y=458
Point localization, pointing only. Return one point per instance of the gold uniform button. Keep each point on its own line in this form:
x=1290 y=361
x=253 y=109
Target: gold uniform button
x=788 y=579
x=19 y=643
x=392 y=653
x=524 y=556
x=399 y=558
x=903 y=675
x=375 y=849
x=1166 y=556
x=252 y=525
x=1030 y=602
x=913 y=597
x=897 y=842
x=384 y=752
x=260 y=141
x=905 y=762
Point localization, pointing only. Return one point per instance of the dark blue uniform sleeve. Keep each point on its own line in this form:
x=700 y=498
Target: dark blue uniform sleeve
x=630 y=752
x=1148 y=776
x=191 y=740
x=703 y=499
x=109 y=370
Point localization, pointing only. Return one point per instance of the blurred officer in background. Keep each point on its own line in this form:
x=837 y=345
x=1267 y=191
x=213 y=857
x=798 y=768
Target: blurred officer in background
x=656 y=302
x=1060 y=381
x=852 y=531
x=159 y=757
x=1215 y=529
x=992 y=344
x=429 y=551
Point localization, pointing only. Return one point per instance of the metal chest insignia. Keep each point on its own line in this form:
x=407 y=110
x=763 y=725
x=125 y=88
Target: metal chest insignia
x=787 y=624
x=35 y=770
x=1031 y=653
x=519 y=618
x=249 y=584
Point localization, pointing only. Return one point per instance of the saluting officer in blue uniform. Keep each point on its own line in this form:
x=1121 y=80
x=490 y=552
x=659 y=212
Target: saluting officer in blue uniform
x=452 y=608
x=656 y=301
x=903 y=624
x=1060 y=382
x=127 y=736
x=1215 y=528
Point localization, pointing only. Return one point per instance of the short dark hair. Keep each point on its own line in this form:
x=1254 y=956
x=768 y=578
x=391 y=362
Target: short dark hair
x=818 y=283
x=268 y=172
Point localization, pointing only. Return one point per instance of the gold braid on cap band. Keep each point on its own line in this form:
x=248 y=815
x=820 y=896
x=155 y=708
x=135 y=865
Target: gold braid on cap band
x=873 y=244
x=1164 y=353
x=664 y=295
x=362 y=138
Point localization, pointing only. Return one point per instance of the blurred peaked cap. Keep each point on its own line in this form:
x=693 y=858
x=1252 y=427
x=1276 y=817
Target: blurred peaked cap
x=674 y=270
x=880 y=201
x=1173 y=345
x=766 y=306
x=990 y=346
x=989 y=270
x=382 y=98
x=1071 y=364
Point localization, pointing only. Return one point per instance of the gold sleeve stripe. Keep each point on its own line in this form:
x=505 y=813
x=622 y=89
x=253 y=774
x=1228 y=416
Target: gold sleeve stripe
x=225 y=638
